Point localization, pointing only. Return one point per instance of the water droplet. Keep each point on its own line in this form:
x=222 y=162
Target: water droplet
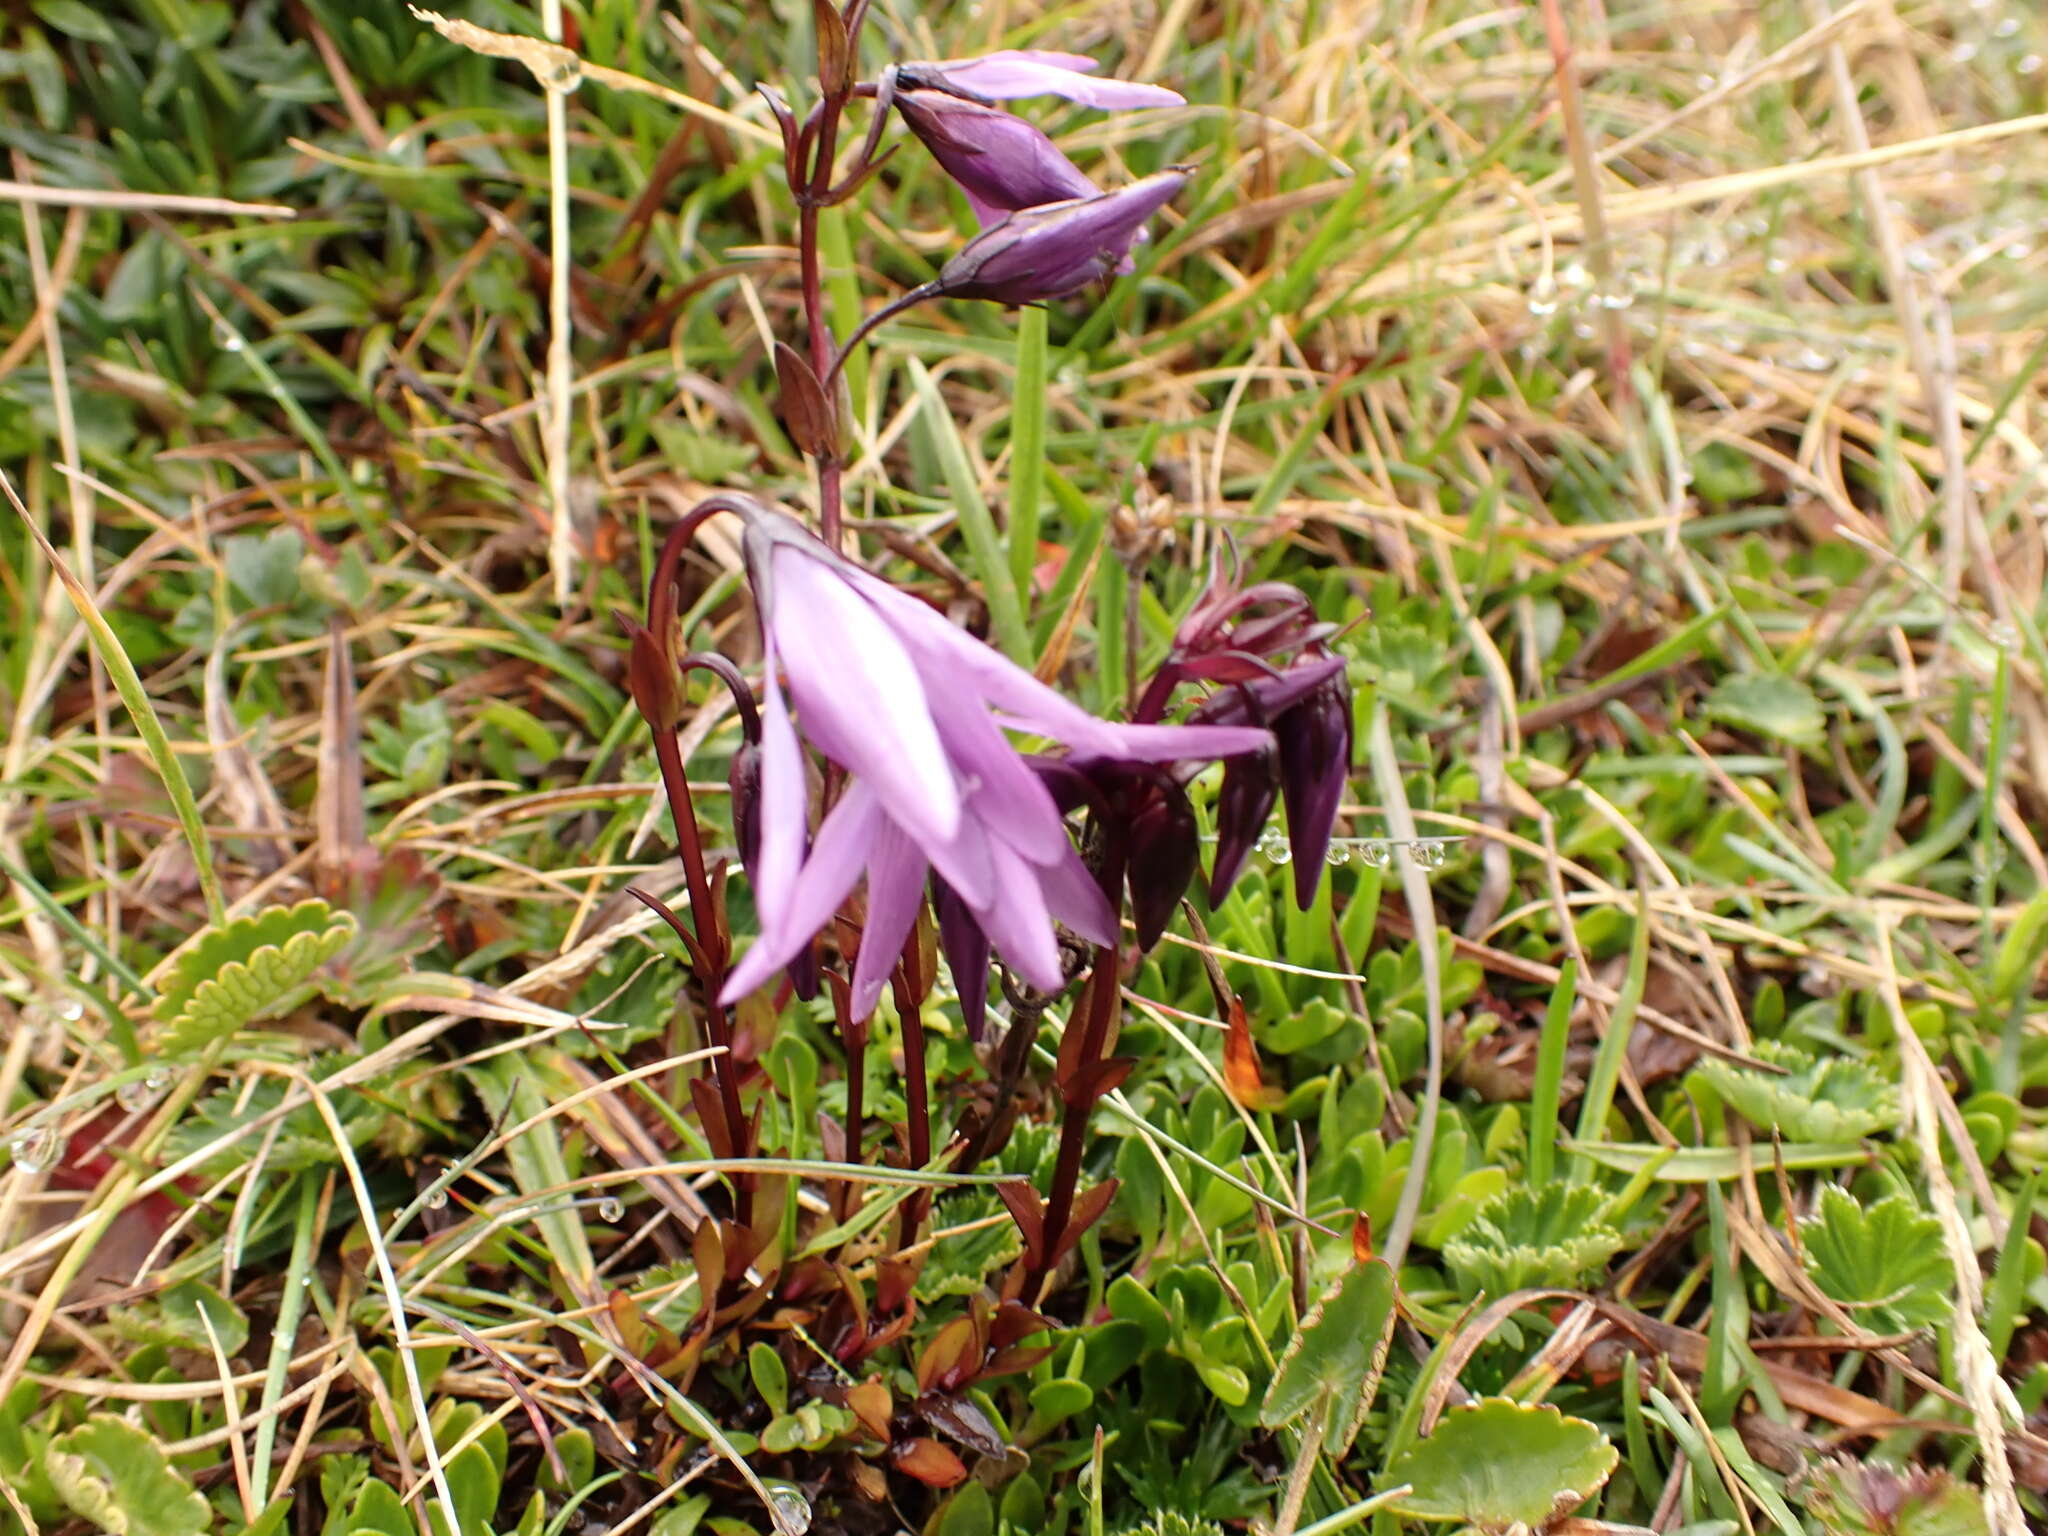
x=2004 y=635
x=135 y=1094
x=1543 y=298
x=2029 y=64
x=1427 y=852
x=36 y=1148
x=1337 y=854
x=790 y=1511
x=1618 y=292
x=306 y=1281
x=1378 y=855
x=1273 y=845
x=227 y=337
x=566 y=76
x=1921 y=259
x=1776 y=265
x=1811 y=359
x=1962 y=53
x=2008 y=26
x=437 y=1200
x=159 y=1079
x=1575 y=275
x=1583 y=329
x=71 y=1010
x=610 y=1208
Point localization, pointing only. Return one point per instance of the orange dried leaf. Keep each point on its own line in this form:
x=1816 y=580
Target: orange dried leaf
x=1241 y=1072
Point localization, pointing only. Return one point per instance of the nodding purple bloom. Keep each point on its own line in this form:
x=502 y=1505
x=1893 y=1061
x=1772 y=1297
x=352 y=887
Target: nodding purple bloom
x=1049 y=252
x=1014 y=72
x=999 y=160
x=915 y=709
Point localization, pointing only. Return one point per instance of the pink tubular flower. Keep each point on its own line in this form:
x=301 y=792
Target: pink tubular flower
x=915 y=710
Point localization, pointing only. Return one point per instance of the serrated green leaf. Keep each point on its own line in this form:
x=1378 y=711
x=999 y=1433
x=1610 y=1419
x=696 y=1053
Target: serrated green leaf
x=1336 y=1355
x=1868 y=1498
x=118 y=1477
x=1769 y=703
x=275 y=956
x=1550 y=1235
x=1886 y=1262
x=174 y=1319
x=1498 y=1464
x=1833 y=1100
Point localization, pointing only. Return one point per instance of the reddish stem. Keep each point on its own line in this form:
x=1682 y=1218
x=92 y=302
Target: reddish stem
x=911 y=1011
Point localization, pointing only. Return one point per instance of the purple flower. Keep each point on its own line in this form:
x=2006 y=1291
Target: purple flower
x=915 y=709
x=999 y=160
x=1049 y=252
x=1014 y=72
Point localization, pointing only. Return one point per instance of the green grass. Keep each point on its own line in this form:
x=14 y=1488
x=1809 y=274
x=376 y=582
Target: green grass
x=1708 y=624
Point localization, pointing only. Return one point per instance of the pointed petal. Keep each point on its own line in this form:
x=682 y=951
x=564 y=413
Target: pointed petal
x=966 y=950
x=896 y=872
x=836 y=861
x=1002 y=793
x=1015 y=72
x=1018 y=923
x=781 y=815
x=859 y=694
x=1073 y=896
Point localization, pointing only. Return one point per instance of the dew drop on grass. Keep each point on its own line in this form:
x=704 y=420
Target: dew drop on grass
x=1337 y=854
x=1427 y=852
x=437 y=1200
x=159 y=1079
x=36 y=1148
x=1274 y=845
x=2008 y=26
x=1377 y=855
x=2004 y=635
x=610 y=1208
x=1543 y=298
x=134 y=1095
x=71 y=1010
x=790 y=1511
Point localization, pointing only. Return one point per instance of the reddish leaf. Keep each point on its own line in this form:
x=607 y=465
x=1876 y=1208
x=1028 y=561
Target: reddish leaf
x=1241 y=1072
x=1088 y=1209
x=711 y=1115
x=957 y=1418
x=871 y=1404
x=1361 y=1237
x=869 y=1482
x=627 y=1319
x=1027 y=1211
x=1105 y=1077
x=954 y=1349
x=929 y=1462
x=805 y=410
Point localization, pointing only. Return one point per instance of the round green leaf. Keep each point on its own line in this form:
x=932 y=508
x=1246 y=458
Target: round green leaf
x=1498 y=1464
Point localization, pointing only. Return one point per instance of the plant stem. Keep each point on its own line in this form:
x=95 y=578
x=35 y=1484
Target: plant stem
x=1016 y=1052
x=918 y=1088
x=819 y=330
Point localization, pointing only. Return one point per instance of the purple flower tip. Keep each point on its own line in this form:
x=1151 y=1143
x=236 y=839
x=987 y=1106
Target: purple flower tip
x=1049 y=252
x=1014 y=72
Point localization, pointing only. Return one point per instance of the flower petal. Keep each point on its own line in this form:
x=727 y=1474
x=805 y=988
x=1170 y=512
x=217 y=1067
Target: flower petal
x=896 y=872
x=860 y=697
x=1073 y=896
x=837 y=857
x=1013 y=72
x=1018 y=923
x=783 y=821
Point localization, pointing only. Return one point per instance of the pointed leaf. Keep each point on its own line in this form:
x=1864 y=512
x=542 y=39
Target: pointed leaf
x=1337 y=1353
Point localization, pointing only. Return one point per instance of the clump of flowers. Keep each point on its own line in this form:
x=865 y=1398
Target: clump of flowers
x=904 y=792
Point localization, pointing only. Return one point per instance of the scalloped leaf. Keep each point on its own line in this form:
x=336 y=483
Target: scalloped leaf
x=251 y=969
x=1498 y=1464
x=1887 y=1263
x=1526 y=1237
x=1838 y=1099
x=1336 y=1356
x=119 y=1478
x=1867 y=1498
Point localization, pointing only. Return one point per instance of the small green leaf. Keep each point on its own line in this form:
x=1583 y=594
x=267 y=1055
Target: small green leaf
x=1769 y=703
x=1833 y=1100
x=273 y=979
x=1337 y=1354
x=116 y=1476
x=1886 y=1262
x=1497 y=1464
x=1868 y=1498
x=1522 y=1237
x=771 y=1377
x=174 y=1319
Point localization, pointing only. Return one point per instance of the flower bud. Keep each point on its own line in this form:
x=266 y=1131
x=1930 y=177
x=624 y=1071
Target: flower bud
x=1251 y=783
x=1049 y=252
x=1165 y=850
x=744 y=777
x=1001 y=162
x=1315 y=765
x=966 y=949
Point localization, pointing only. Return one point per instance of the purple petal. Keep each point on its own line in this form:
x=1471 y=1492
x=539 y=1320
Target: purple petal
x=836 y=861
x=1018 y=923
x=859 y=694
x=1031 y=72
x=896 y=872
x=784 y=823
x=1046 y=252
x=965 y=947
x=1002 y=793
x=1001 y=162
x=1073 y=896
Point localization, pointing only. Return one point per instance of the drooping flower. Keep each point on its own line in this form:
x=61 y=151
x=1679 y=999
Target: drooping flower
x=1013 y=72
x=1001 y=162
x=1267 y=651
x=1049 y=252
x=915 y=710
